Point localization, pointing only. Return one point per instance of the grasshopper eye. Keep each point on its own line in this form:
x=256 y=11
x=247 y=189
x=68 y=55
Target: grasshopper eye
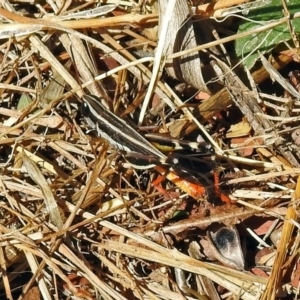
x=85 y=110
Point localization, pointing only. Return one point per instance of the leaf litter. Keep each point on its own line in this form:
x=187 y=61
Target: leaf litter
x=80 y=219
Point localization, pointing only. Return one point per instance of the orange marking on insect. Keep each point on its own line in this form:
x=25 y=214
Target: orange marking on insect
x=197 y=191
x=159 y=188
x=158 y=180
x=218 y=192
x=217 y=182
x=225 y=198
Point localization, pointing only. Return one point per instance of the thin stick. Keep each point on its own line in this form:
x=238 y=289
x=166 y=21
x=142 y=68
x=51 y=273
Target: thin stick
x=157 y=60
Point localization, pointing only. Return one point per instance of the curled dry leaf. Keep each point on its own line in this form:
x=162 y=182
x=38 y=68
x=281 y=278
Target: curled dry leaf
x=265 y=257
x=275 y=75
x=37 y=176
x=226 y=247
x=275 y=237
x=181 y=36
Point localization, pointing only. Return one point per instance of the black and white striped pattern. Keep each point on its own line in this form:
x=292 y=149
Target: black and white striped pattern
x=120 y=135
x=139 y=151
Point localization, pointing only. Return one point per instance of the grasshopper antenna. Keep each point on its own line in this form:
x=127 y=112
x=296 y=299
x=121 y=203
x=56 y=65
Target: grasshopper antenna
x=85 y=68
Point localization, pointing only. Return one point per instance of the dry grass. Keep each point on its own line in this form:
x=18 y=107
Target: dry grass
x=83 y=223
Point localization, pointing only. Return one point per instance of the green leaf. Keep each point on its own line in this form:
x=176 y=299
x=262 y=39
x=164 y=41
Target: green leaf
x=24 y=101
x=247 y=47
x=180 y=214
